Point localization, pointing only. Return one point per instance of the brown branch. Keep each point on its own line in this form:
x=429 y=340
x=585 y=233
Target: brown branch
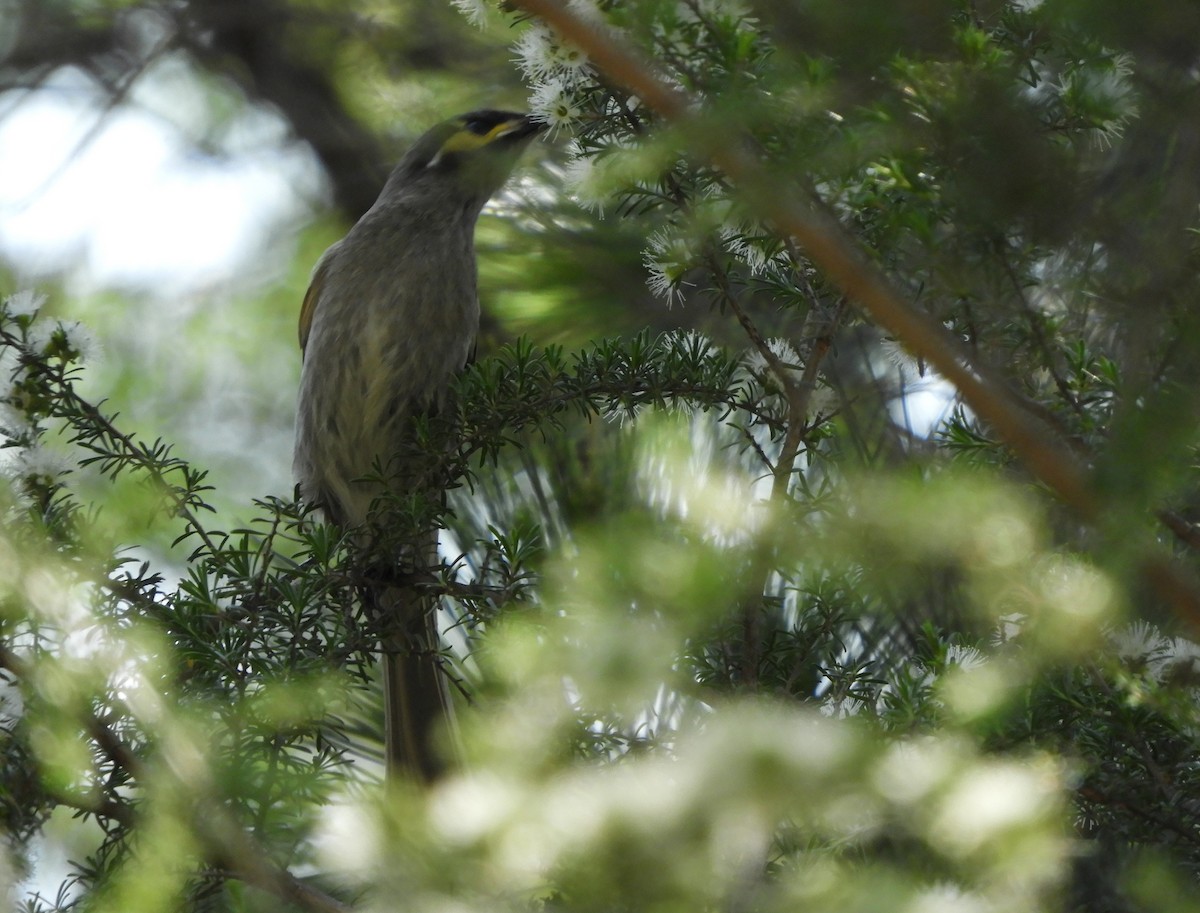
x=838 y=255
x=264 y=47
x=1037 y=328
x=798 y=395
x=751 y=604
x=1185 y=531
x=799 y=426
x=1098 y=797
x=832 y=249
x=241 y=857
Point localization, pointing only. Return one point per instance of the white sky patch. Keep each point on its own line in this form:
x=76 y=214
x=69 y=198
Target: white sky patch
x=125 y=196
x=925 y=405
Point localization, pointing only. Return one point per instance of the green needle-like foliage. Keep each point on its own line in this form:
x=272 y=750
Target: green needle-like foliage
x=760 y=618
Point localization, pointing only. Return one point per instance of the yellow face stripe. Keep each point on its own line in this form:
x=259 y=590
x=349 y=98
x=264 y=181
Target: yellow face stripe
x=467 y=141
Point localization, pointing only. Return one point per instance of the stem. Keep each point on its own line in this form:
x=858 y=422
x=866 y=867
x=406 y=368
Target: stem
x=798 y=397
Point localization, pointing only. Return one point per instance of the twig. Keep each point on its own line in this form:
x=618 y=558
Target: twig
x=799 y=426
x=798 y=395
x=1037 y=327
x=752 y=602
x=1185 y=531
x=123 y=446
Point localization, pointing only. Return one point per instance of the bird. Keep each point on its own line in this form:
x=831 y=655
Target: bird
x=389 y=318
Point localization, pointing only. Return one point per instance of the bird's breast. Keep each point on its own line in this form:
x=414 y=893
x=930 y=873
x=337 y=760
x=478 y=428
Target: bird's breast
x=392 y=328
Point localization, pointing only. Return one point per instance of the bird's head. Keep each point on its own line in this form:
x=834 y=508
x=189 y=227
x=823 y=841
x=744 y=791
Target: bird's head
x=466 y=158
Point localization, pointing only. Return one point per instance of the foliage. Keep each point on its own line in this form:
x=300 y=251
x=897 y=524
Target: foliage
x=732 y=627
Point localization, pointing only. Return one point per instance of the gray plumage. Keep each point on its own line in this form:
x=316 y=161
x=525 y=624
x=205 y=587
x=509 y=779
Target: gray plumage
x=390 y=317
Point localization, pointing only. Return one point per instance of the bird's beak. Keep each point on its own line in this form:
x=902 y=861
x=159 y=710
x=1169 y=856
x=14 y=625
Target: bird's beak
x=519 y=128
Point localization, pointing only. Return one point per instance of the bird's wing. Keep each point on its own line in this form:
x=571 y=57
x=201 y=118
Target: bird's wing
x=311 y=299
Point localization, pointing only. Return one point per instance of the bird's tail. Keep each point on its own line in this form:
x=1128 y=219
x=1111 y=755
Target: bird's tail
x=417 y=706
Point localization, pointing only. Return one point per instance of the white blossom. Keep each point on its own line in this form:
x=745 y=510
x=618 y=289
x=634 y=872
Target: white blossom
x=1008 y=628
x=665 y=281
x=586 y=9
x=534 y=55
x=919 y=680
x=13 y=422
x=10 y=367
x=1105 y=86
x=74 y=342
x=750 y=254
x=945 y=897
x=710 y=9
x=542 y=55
x=625 y=413
x=553 y=102
x=12 y=702
x=668 y=258
x=475 y=10
x=782 y=349
x=82 y=340
x=24 y=303
x=1179 y=656
x=894 y=351
x=594 y=176
x=614 y=106
x=1140 y=642
x=582 y=179
x=692 y=341
x=840 y=707
x=1182 y=648
x=40 y=464
x=964 y=657
x=569 y=59
x=822 y=399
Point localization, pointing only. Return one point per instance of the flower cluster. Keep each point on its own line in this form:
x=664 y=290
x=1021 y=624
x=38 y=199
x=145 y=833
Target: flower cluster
x=1101 y=95
x=556 y=70
x=33 y=346
x=668 y=258
x=475 y=10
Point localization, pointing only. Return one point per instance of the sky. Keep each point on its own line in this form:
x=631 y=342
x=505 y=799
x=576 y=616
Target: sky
x=123 y=197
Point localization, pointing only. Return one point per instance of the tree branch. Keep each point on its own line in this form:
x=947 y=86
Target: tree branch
x=256 y=45
x=832 y=249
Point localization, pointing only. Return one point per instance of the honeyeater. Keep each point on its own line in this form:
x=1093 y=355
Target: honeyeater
x=390 y=317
